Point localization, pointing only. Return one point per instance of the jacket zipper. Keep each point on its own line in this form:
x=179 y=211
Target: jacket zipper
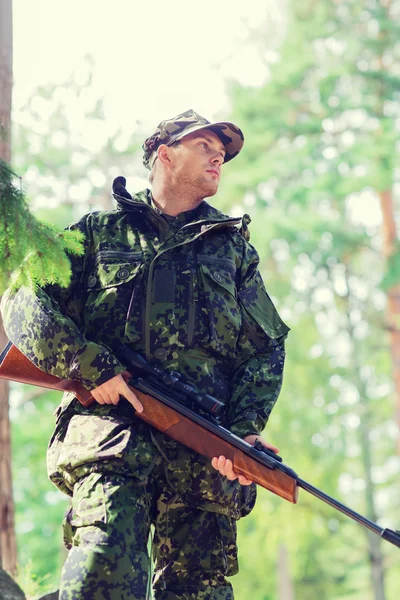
x=193 y=299
x=149 y=289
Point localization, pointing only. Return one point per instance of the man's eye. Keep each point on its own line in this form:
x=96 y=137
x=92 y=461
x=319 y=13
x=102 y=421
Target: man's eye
x=204 y=144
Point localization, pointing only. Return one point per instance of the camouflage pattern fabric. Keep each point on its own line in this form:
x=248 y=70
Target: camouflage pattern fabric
x=174 y=129
x=107 y=528
x=188 y=295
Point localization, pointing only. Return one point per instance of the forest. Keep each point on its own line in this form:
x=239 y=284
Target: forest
x=319 y=176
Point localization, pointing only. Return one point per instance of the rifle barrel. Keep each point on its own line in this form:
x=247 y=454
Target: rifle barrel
x=387 y=534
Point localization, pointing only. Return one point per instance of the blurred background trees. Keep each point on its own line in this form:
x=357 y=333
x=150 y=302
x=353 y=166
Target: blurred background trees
x=322 y=148
x=319 y=176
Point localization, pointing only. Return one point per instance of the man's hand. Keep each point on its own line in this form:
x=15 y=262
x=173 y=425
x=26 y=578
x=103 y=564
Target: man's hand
x=110 y=391
x=225 y=466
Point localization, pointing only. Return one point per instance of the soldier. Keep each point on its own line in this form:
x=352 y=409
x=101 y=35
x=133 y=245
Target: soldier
x=177 y=280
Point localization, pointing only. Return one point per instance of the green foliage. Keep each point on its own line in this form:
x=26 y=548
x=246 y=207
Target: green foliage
x=39 y=505
x=31 y=584
x=321 y=137
x=35 y=250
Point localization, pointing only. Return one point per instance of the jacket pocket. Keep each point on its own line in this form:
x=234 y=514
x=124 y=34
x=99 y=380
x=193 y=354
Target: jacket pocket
x=88 y=504
x=113 y=269
x=261 y=321
x=113 y=301
x=93 y=439
x=63 y=414
x=104 y=440
x=87 y=510
x=227 y=529
x=221 y=305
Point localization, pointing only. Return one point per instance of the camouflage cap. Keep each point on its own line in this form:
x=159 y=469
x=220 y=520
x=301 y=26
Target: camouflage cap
x=171 y=130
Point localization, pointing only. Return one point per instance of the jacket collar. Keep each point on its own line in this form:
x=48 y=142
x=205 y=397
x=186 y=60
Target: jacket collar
x=143 y=202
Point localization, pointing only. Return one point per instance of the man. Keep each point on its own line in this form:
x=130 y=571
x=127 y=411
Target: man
x=176 y=280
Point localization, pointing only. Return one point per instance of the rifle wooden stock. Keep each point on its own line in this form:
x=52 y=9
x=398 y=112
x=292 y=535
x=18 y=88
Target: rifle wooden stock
x=15 y=366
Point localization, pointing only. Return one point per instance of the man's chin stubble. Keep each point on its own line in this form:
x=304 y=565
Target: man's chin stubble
x=210 y=188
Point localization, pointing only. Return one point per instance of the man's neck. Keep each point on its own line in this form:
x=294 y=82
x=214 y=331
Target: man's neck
x=174 y=202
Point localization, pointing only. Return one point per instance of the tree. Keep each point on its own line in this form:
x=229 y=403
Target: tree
x=40 y=250
x=322 y=137
x=8 y=551
x=38 y=506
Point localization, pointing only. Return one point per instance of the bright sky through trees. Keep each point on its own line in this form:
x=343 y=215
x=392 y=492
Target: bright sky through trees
x=151 y=60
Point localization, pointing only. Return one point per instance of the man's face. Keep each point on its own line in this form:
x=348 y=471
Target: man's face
x=197 y=161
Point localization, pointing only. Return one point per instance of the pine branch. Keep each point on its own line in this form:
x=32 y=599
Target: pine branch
x=31 y=252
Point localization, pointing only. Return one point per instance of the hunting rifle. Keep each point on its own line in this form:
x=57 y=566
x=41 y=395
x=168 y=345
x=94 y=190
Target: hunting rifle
x=193 y=419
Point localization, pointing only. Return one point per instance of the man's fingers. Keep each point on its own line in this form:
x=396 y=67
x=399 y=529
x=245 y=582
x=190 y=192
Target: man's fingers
x=114 y=398
x=98 y=396
x=110 y=391
x=127 y=393
x=219 y=463
x=244 y=481
x=225 y=467
x=269 y=446
x=105 y=397
x=229 y=471
x=253 y=437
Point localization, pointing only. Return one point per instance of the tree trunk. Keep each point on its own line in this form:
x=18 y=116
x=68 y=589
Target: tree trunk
x=5 y=78
x=390 y=248
x=285 y=583
x=374 y=541
x=8 y=552
x=8 y=548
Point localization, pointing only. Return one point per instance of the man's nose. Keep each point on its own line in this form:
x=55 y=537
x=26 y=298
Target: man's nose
x=216 y=159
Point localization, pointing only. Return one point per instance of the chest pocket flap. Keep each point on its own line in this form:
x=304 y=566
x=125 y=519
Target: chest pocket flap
x=259 y=309
x=219 y=272
x=113 y=269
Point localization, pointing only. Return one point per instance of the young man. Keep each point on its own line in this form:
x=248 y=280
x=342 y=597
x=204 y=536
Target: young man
x=175 y=279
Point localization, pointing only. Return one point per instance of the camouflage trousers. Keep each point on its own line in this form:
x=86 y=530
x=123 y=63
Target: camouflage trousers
x=107 y=529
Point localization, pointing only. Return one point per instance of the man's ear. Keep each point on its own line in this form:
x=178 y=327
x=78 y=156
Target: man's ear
x=163 y=154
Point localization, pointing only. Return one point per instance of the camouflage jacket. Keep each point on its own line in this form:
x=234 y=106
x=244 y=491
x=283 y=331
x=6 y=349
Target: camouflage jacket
x=186 y=293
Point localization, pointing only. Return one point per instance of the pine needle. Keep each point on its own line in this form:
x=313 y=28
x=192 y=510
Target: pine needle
x=31 y=252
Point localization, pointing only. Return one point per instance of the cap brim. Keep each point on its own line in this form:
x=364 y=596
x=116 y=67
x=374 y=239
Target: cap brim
x=230 y=135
